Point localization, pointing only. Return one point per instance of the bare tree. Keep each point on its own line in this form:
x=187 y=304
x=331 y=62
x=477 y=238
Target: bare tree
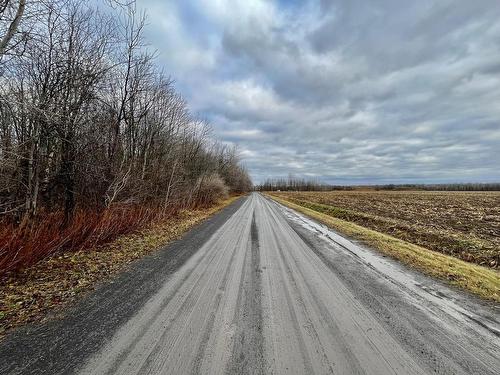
x=11 y=12
x=87 y=120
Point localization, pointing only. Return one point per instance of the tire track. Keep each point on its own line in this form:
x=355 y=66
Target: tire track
x=248 y=350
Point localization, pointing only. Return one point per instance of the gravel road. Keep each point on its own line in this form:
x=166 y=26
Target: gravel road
x=260 y=289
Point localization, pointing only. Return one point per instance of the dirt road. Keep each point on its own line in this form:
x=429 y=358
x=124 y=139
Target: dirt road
x=267 y=292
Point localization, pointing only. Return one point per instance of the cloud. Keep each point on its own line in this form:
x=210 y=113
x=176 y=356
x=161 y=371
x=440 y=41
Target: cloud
x=348 y=91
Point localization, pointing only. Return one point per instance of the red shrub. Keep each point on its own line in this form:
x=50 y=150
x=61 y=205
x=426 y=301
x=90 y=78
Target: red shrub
x=22 y=246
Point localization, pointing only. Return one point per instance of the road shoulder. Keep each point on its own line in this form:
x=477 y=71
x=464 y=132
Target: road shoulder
x=84 y=327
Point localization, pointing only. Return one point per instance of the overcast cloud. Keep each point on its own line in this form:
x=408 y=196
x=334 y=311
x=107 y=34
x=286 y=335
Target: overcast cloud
x=347 y=91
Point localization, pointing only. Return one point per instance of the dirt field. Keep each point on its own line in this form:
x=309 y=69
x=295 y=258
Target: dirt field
x=463 y=224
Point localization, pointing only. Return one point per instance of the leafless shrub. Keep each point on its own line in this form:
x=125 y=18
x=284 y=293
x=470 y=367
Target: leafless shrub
x=211 y=189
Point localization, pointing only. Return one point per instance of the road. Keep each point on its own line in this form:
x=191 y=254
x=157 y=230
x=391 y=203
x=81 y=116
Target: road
x=267 y=292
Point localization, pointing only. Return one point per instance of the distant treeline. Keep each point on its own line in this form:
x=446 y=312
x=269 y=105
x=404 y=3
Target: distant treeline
x=297 y=184
x=300 y=184
x=439 y=187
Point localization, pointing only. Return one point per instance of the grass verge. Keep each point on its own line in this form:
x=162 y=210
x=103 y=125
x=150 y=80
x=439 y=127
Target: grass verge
x=32 y=294
x=479 y=280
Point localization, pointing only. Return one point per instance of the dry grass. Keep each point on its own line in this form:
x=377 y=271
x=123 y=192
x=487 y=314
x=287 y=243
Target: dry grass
x=30 y=294
x=479 y=280
x=465 y=225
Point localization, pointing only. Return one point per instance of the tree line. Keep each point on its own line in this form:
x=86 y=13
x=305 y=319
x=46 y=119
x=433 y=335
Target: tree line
x=297 y=184
x=302 y=184
x=88 y=120
x=441 y=187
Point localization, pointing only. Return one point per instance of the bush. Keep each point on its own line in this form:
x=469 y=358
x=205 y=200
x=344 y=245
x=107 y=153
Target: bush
x=211 y=189
x=24 y=245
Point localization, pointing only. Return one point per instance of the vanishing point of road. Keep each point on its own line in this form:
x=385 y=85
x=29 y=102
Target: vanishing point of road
x=260 y=289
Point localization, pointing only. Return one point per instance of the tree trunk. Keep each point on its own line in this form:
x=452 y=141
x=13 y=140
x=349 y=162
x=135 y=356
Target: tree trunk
x=12 y=28
x=68 y=178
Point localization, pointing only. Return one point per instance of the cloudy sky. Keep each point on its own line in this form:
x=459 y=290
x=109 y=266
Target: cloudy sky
x=348 y=91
